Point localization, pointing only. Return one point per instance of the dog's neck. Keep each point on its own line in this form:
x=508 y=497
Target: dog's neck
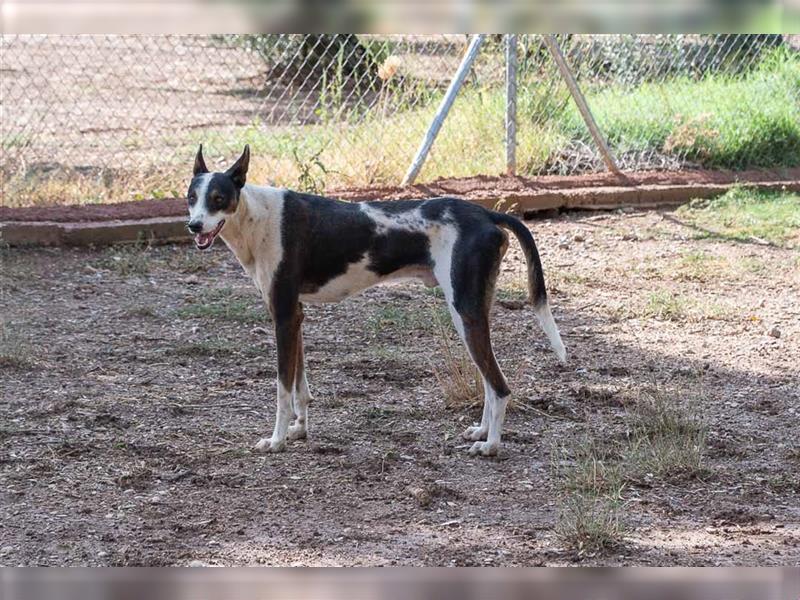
x=254 y=224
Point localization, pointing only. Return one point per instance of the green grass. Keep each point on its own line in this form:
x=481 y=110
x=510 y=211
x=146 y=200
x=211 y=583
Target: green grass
x=666 y=306
x=721 y=121
x=747 y=215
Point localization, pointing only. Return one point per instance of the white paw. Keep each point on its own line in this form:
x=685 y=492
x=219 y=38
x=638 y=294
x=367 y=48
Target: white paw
x=475 y=433
x=267 y=445
x=484 y=449
x=297 y=432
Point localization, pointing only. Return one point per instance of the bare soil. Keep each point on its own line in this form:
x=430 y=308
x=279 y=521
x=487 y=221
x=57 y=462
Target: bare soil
x=141 y=379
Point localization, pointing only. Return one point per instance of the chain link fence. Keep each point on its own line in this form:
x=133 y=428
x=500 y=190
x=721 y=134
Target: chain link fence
x=108 y=118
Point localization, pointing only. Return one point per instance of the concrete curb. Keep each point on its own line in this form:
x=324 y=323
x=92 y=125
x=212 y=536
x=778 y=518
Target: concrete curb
x=44 y=233
x=173 y=229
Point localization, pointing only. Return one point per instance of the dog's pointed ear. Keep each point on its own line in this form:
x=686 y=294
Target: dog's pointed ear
x=238 y=172
x=199 y=163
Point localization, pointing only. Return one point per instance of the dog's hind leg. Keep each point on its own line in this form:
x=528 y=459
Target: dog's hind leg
x=467 y=278
x=302 y=396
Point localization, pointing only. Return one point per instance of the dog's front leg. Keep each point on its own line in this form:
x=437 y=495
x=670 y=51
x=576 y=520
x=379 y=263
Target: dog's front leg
x=288 y=319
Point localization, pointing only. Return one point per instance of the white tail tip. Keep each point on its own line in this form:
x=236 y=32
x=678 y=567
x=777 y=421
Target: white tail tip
x=550 y=328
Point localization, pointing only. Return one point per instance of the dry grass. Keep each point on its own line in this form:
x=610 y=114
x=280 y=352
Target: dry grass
x=457 y=376
x=667 y=438
x=590 y=486
x=128 y=260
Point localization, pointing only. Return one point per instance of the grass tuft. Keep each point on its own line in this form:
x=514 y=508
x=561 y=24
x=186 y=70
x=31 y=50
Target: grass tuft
x=457 y=376
x=668 y=440
x=666 y=306
x=590 y=486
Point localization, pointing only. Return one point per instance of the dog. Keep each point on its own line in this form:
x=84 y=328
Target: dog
x=300 y=248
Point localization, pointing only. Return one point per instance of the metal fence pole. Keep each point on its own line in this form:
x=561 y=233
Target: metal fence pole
x=511 y=104
x=444 y=108
x=583 y=107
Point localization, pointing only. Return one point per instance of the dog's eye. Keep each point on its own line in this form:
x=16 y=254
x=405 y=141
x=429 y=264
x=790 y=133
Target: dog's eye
x=192 y=199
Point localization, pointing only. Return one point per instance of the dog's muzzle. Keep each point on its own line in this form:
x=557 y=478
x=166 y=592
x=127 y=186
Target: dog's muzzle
x=204 y=241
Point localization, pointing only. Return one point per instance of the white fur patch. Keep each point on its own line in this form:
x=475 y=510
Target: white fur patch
x=551 y=329
x=411 y=220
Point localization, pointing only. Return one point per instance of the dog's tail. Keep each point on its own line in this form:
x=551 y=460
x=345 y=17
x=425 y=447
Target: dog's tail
x=536 y=287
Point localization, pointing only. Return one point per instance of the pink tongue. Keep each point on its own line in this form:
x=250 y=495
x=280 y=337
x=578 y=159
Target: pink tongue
x=203 y=238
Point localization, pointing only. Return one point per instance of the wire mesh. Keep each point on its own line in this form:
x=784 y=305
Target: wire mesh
x=108 y=118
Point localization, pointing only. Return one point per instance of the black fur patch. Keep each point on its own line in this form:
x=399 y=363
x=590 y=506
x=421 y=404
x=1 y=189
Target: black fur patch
x=221 y=195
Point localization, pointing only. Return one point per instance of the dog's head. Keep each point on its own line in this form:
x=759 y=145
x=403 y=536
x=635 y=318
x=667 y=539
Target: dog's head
x=213 y=197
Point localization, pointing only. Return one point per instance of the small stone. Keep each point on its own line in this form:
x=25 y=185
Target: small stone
x=775 y=332
x=578 y=237
x=192 y=280
x=197 y=563
x=102 y=554
x=421 y=495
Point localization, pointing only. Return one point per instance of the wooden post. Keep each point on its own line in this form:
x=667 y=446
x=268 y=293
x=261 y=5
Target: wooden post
x=583 y=107
x=511 y=104
x=444 y=108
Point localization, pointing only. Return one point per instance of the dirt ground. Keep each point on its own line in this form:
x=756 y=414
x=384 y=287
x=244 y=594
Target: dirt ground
x=136 y=382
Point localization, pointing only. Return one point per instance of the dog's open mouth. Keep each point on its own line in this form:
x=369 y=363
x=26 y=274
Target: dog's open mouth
x=204 y=241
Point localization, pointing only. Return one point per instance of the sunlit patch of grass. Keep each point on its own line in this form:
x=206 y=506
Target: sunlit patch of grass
x=666 y=306
x=749 y=215
x=697 y=266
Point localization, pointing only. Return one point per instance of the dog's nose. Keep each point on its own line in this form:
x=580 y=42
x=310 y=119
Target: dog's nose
x=195 y=226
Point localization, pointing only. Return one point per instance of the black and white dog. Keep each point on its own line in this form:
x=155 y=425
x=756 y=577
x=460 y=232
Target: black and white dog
x=303 y=248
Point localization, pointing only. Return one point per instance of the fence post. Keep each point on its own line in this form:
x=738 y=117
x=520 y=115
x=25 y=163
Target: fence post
x=444 y=108
x=583 y=107
x=511 y=104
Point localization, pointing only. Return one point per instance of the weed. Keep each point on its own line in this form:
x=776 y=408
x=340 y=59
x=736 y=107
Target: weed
x=307 y=179
x=458 y=378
